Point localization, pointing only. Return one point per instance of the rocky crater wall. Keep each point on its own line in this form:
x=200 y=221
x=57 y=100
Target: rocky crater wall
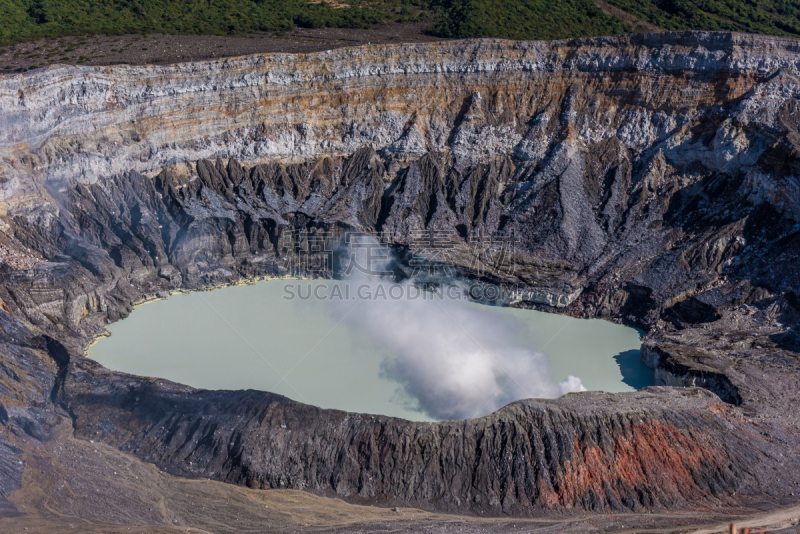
x=651 y=180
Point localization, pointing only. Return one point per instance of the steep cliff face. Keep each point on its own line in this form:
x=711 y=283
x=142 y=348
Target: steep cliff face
x=651 y=180
x=475 y=98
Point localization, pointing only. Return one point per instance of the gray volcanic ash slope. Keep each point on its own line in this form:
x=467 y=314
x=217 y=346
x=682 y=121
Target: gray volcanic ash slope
x=651 y=180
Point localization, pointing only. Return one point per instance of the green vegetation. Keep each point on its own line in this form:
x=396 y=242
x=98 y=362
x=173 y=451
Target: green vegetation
x=29 y=19
x=516 y=19
x=771 y=17
x=25 y=20
x=524 y=19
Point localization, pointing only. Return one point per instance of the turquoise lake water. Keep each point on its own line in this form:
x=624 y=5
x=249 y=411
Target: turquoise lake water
x=318 y=352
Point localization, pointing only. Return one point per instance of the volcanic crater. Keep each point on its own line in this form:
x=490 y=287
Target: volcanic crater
x=650 y=180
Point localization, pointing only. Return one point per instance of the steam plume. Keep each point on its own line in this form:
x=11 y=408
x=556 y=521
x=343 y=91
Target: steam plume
x=451 y=356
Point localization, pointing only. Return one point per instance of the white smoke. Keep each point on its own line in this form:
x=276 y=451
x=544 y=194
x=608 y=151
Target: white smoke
x=452 y=357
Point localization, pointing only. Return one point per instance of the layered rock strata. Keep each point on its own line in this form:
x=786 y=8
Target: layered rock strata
x=651 y=180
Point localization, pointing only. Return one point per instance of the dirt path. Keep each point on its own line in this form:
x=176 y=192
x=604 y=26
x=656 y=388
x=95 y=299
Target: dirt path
x=774 y=520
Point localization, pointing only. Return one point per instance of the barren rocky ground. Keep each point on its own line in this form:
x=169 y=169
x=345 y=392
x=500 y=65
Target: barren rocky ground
x=159 y=49
x=649 y=180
